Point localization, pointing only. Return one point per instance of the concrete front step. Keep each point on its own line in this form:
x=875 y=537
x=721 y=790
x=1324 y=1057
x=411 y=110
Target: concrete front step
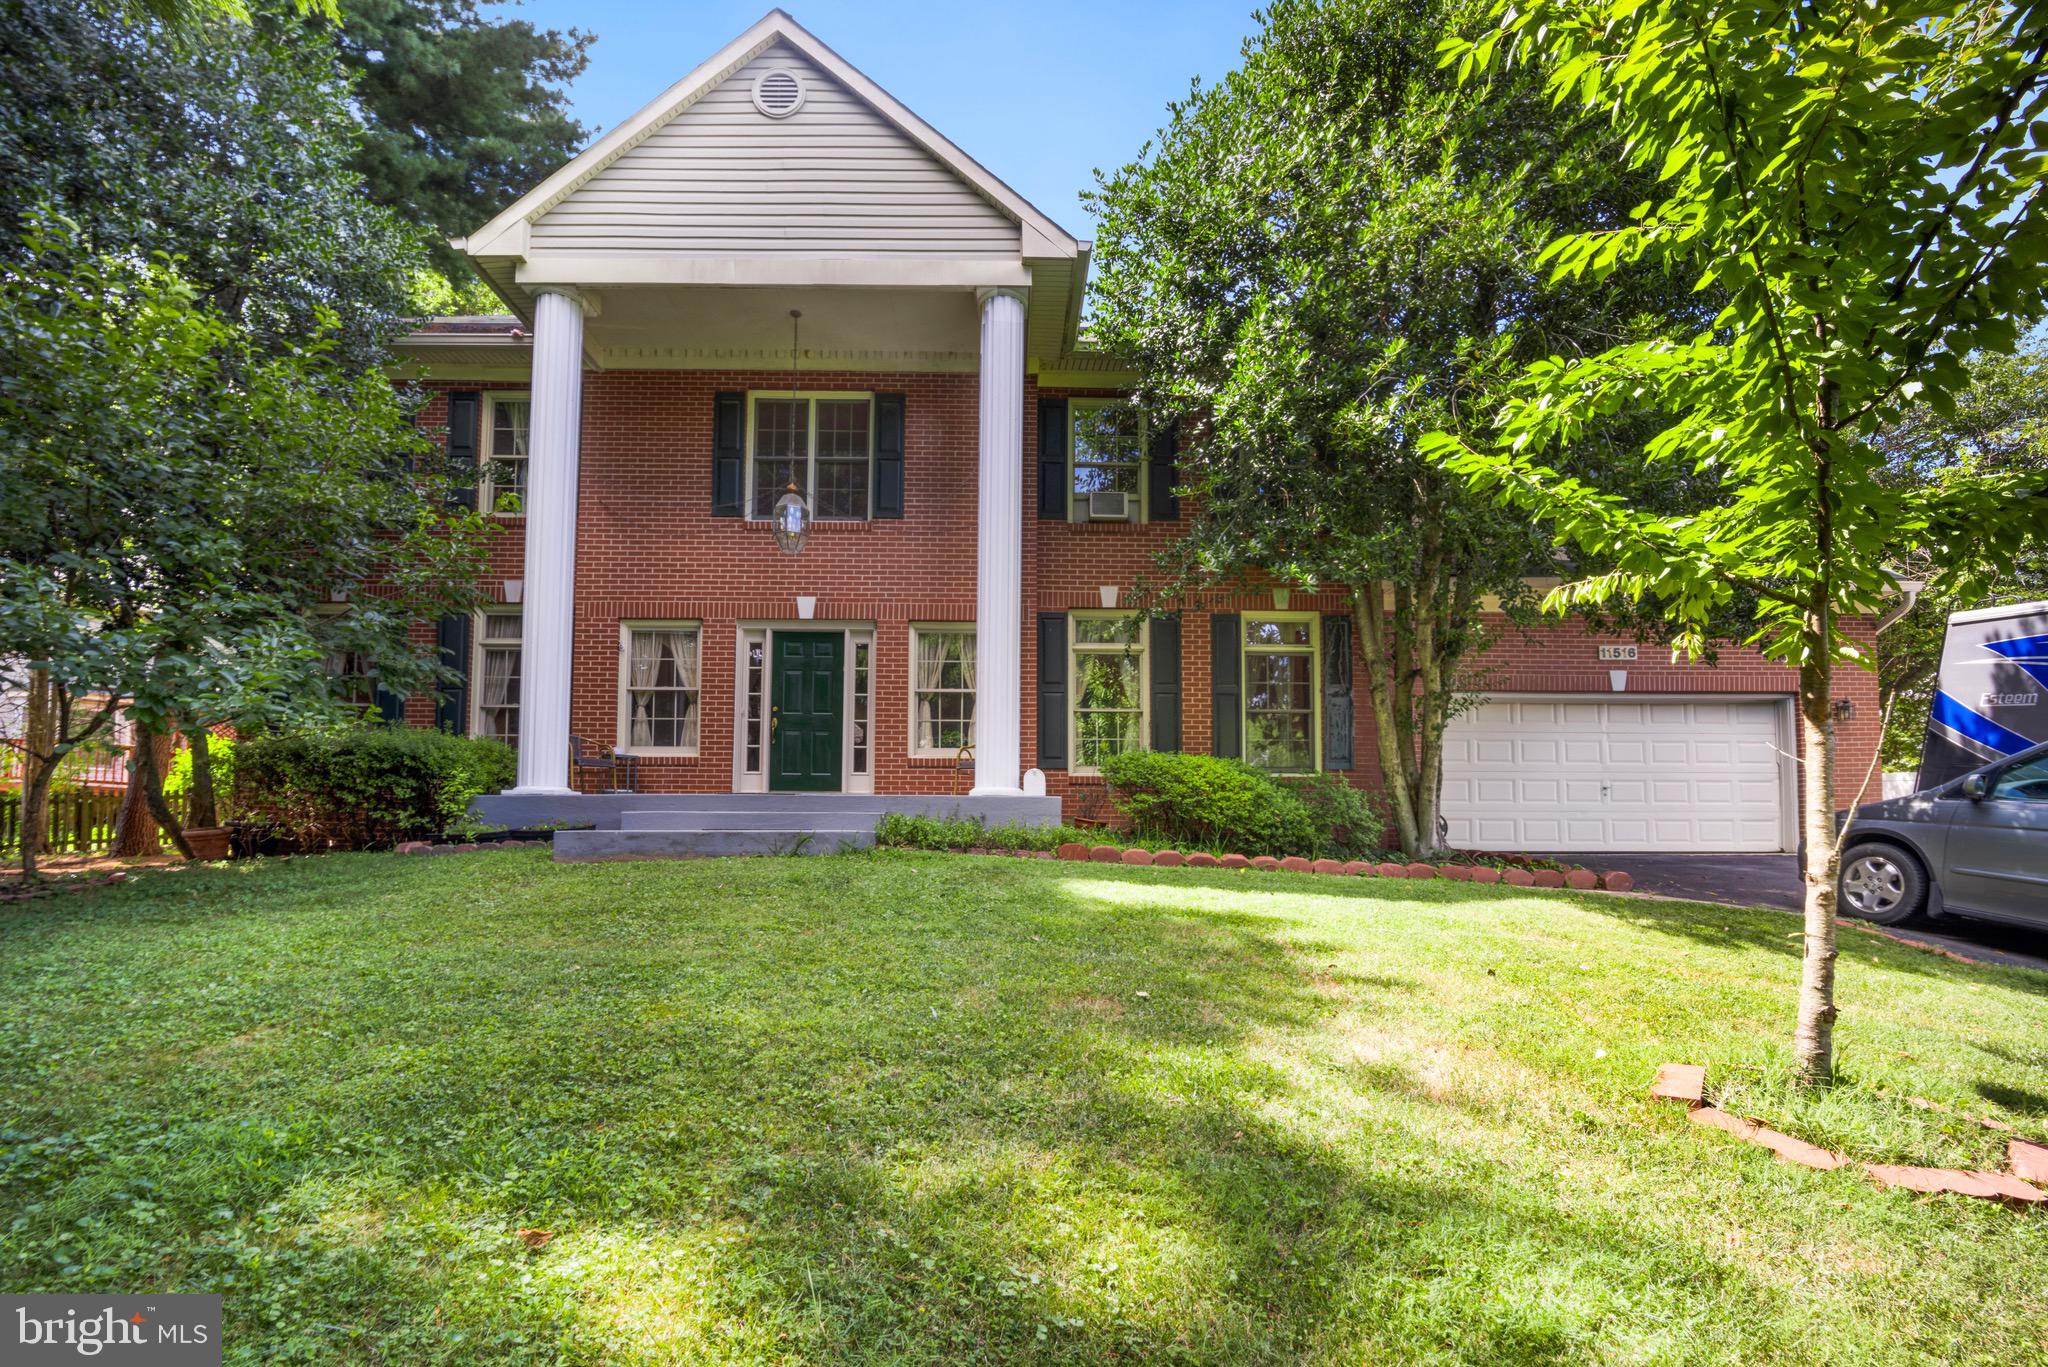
x=752 y=819
x=571 y=846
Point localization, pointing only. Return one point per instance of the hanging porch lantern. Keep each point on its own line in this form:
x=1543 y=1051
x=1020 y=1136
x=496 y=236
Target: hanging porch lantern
x=791 y=517
x=791 y=520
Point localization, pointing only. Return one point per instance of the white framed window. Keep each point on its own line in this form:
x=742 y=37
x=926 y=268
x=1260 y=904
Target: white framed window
x=822 y=443
x=941 y=690
x=507 y=428
x=1106 y=457
x=1109 y=687
x=658 y=688
x=1282 y=652
x=494 y=676
x=863 y=703
x=351 y=678
x=754 y=694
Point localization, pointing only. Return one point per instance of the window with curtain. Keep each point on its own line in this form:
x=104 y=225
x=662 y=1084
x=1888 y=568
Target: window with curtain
x=661 y=688
x=506 y=452
x=352 y=682
x=1109 y=687
x=1108 y=446
x=1280 y=692
x=943 y=690
x=823 y=444
x=497 y=677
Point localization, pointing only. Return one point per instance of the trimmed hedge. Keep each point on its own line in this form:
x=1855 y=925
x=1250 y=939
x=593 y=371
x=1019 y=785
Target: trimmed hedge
x=1223 y=805
x=366 y=788
x=1201 y=802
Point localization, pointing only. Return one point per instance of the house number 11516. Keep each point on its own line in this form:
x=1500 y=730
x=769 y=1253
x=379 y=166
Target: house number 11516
x=1617 y=652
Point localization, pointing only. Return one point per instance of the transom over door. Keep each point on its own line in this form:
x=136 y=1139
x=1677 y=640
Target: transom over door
x=804 y=718
x=1693 y=774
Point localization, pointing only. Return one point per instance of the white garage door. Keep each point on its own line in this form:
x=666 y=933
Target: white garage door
x=1590 y=774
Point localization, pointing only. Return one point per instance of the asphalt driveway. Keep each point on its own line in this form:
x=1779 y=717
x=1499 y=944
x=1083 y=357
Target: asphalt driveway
x=1772 y=880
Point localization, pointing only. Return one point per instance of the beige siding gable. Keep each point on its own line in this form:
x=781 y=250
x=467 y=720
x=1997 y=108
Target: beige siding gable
x=834 y=179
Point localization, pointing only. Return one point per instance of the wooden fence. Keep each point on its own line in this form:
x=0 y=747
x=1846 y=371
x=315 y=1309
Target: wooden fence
x=81 y=822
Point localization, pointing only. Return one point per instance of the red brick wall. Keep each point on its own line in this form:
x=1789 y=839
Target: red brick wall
x=648 y=548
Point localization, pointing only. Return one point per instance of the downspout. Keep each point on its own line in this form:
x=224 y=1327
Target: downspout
x=1913 y=589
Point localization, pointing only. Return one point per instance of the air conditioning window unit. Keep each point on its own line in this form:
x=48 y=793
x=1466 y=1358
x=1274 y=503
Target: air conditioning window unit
x=1109 y=505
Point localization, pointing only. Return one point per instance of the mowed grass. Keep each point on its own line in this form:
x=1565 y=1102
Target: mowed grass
x=925 y=1108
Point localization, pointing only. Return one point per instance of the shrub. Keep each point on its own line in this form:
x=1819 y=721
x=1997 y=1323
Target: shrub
x=1347 y=822
x=366 y=787
x=1209 y=803
x=904 y=831
x=220 y=751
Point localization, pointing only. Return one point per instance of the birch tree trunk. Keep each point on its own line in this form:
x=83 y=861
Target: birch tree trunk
x=1813 y=1038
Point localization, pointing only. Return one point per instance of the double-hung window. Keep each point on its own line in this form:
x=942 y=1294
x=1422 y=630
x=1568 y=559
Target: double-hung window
x=506 y=421
x=1109 y=686
x=1280 y=674
x=942 y=690
x=824 y=444
x=658 y=694
x=1107 y=439
x=496 y=676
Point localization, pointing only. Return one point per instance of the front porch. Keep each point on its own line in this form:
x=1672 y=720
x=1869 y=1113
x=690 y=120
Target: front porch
x=668 y=825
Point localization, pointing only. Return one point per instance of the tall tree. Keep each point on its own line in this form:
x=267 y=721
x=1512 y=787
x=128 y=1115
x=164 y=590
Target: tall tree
x=1864 y=184
x=465 y=110
x=1325 y=256
x=1998 y=423
x=197 y=434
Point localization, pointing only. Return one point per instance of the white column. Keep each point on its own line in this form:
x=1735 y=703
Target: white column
x=999 y=550
x=548 y=607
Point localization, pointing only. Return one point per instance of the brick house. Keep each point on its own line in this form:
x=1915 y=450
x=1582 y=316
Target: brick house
x=982 y=502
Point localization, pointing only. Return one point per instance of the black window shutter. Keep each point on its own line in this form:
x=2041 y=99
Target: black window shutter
x=888 y=455
x=451 y=712
x=1338 y=725
x=1162 y=472
x=1166 y=683
x=1052 y=690
x=465 y=417
x=728 y=454
x=390 y=705
x=1226 y=686
x=1054 y=494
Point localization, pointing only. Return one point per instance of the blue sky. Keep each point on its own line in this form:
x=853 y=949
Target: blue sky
x=1040 y=94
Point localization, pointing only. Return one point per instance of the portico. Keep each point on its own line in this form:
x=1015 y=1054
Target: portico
x=776 y=179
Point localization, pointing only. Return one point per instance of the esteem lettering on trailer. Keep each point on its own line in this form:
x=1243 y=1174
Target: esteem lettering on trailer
x=2007 y=699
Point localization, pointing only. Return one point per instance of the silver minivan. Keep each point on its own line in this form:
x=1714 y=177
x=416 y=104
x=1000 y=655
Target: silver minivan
x=1976 y=846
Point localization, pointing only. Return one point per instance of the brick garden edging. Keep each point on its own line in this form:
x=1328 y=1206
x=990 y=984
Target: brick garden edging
x=1582 y=880
x=1687 y=1083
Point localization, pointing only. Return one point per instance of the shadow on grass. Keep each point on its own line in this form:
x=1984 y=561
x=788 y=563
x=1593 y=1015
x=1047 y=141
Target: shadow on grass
x=901 y=1110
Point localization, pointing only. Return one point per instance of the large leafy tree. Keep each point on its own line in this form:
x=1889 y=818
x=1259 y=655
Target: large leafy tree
x=1863 y=184
x=465 y=110
x=197 y=436
x=1999 y=423
x=1325 y=256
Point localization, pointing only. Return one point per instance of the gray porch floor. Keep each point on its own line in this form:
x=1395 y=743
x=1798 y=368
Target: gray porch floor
x=677 y=825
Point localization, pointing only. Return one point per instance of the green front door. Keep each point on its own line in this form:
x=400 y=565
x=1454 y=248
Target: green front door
x=804 y=718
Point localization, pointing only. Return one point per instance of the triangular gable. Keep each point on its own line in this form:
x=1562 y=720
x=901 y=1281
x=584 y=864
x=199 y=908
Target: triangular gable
x=700 y=170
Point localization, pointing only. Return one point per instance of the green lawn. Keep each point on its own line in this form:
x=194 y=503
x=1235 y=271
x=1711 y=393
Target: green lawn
x=924 y=1108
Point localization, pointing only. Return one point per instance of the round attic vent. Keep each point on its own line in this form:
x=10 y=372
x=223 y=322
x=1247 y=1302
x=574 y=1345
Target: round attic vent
x=778 y=93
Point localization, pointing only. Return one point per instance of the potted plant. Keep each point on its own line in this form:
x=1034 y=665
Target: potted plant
x=198 y=772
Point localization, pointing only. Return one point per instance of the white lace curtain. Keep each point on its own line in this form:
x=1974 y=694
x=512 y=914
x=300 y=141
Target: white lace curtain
x=662 y=663
x=497 y=681
x=935 y=649
x=511 y=421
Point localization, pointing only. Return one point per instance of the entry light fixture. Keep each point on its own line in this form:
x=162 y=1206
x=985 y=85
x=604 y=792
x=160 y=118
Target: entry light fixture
x=791 y=518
